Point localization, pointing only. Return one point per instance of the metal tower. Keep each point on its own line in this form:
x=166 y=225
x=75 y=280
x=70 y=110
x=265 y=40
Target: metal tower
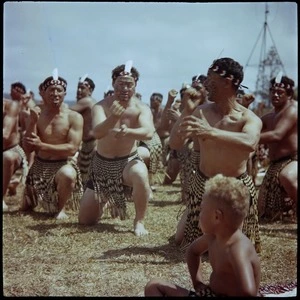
x=269 y=63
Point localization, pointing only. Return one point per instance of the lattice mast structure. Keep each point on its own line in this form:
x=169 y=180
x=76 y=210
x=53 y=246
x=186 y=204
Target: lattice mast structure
x=269 y=63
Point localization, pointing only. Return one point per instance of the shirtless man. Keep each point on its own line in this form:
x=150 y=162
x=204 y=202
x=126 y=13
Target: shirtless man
x=280 y=135
x=55 y=134
x=226 y=133
x=18 y=95
x=117 y=172
x=151 y=150
x=13 y=155
x=84 y=105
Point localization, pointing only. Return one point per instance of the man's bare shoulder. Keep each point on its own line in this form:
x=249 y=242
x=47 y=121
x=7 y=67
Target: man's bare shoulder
x=294 y=105
x=205 y=107
x=87 y=100
x=249 y=114
x=72 y=113
x=142 y=104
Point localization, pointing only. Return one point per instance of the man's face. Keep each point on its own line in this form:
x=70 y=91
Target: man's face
x=155 y=102
x=25 y=98
x=212 y=84
x=16 y=93
x=278 y=96
x=124 y=88
x=54 y=95
x=83 y=90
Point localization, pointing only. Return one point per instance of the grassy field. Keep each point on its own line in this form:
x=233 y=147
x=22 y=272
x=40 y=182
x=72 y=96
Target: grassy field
x=46 y=257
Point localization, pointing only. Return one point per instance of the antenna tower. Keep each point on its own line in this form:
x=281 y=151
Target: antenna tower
x=269 y=63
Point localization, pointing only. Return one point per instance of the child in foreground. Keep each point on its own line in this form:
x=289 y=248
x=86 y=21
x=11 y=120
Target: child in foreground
x=235 y=263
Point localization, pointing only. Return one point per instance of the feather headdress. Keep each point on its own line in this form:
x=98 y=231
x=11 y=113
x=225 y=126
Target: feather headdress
x=128 y=66
x=278 y=82
x=83 y=78
x=54 y=80
x=127 y=71
x=55 y=74
x=278 y=77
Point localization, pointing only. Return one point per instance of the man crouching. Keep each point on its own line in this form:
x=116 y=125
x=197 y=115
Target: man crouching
x=117 y=173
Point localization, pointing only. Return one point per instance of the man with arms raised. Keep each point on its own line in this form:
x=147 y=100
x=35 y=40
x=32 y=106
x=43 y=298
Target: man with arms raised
x=117 y=172
x=226 y=133
x=55 y=134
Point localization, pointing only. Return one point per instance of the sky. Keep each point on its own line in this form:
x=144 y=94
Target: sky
x=168 y=42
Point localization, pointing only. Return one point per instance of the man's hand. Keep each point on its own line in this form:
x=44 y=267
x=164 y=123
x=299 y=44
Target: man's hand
x=192 y=125
x=117 y=109
x=171 y=96
x=32 y=142
x=120 y=132
x=248 y=98
x=34 y=114
x=173 y=115
x=192 y=98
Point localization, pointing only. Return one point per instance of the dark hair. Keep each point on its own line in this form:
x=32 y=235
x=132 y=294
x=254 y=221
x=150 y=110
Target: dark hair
x=230 y=67
x=109 y=93
x=159 y=95
x=139 y=95
x=118 y=71
x=201 y=78
x=90 y=82
x=19 y=85
x=287 y=83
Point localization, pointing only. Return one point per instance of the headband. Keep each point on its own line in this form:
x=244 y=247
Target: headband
x=279 y=84
x=18 y=90
x=282 y=85
x=126 y=71
x=83 y=80
x=54 y=80
x=215 y=68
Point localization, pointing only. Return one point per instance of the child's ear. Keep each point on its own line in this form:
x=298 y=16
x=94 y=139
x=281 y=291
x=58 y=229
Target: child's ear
x=218 y=215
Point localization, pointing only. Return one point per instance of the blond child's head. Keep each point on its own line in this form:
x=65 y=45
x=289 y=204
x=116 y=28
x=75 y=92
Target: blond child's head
x=226 y=199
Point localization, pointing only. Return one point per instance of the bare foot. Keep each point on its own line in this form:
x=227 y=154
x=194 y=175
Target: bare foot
x=4 y=206
x=61 y=216
x=12 y=188
x=139 y=229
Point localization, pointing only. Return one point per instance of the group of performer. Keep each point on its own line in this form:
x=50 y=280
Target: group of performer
x=97 y=155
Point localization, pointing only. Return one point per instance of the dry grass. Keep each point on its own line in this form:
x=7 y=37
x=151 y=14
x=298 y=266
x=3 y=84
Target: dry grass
x=46 y=257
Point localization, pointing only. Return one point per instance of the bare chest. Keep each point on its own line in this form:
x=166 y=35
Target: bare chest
x=233 y=123
x=53 y=128
x=130 y=118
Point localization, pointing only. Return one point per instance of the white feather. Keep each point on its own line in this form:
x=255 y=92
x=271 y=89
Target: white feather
x=83 y=78
x=128 y=66
x=197 y=77
x=55 y=74
x=278 y=77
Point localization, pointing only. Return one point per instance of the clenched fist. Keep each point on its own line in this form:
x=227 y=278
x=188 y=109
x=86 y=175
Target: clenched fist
x=117 y=109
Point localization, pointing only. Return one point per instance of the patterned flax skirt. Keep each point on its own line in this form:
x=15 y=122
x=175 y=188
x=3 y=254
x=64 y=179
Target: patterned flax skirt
x=106 y=175
x=155 y=148
x=40 y=185
x=84 y=159
x=272 y=193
